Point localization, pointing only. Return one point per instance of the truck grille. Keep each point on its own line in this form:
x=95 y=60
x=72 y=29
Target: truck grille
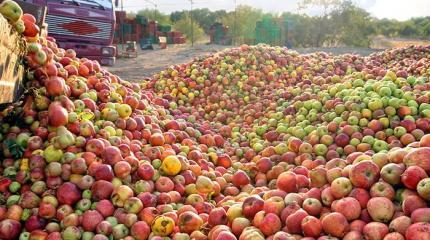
x=78 y=27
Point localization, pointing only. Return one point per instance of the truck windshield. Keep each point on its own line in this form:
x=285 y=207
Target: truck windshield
x=105 y=4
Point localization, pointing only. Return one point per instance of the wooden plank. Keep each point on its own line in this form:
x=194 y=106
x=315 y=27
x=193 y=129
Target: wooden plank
x=12 y=49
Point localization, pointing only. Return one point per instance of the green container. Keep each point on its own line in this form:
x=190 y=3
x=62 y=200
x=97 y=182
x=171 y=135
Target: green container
x=164 y=28
x=267 y=21
x=127 y=28
x=154 y=39
x=169 y=40
x=141 y=20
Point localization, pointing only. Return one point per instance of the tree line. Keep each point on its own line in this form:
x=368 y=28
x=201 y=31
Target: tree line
x=341 y=24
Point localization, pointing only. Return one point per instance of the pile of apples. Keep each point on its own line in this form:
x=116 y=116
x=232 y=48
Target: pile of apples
x=250 y=143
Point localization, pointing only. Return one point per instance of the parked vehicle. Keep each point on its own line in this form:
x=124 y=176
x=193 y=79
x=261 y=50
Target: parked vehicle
x=84 y=25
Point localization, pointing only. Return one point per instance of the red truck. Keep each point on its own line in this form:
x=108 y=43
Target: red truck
x=87 y=26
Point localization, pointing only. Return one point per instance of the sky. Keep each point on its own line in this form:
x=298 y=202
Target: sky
x=394 y=9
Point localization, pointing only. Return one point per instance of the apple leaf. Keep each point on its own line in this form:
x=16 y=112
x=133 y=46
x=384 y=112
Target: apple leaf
x=15 y=149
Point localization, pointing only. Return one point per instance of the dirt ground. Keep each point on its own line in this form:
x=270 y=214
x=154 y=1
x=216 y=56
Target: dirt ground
x=149 y=62
x=383 y=42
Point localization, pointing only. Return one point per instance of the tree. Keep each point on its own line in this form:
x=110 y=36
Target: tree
x=243 y=22
x=323 y=30
x=184 y=26
x=152 y=14
x=203 y=16
x=353 y=25
x=176 y=16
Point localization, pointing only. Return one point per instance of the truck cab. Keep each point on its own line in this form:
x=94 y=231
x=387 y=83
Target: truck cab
x=87 y=26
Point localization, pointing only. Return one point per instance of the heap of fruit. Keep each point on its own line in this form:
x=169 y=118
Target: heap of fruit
x=259 y=97
x=251 y=143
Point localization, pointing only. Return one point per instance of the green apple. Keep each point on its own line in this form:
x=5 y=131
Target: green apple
x=87 y=235
x=368 y=139
x=353 y=120
x=92 y=95
x=321 y=149
x=124 y=110
x=11 y=10
x=339 y=109
x=308 y=129
x=22 y=139
x=384 y=91
x=363 y=122
x=281 y=148
x=398 y=93
x=282 y=128
x=51 y=154
x=40 y=57
x=317 y=105
x=24 y=236
x=380 y=145
x=375 y=104
x=258 y=147
x=83 y=204
x=261 y=130
x=354 y=142
x=390 y=111
x=71 y=233
x=409 y=96
x=19 y=26
x=389 y=132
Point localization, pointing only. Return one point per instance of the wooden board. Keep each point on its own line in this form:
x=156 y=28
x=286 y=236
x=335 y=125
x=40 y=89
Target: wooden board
x=12 y=49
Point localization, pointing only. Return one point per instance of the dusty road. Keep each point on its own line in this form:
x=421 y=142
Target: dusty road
x=149 y=62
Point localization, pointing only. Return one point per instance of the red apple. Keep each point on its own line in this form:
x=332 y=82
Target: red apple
x=57 y=115
x=217 y=216
x=418 y=231
x=274 y=205
x=111 y=155
x=411 y=203
x=421 y=215
x=294 y=221
x=312 y=206
x=140 y=230
x=102 y=189
x=68 y=193
x=364 y=174
x=268 y=223
x=375 y=231
x=349 y=207
x=400 y=224
x=105 y=208
x=9 y=229
x=335 y=224
x=381 y=209
x=90 y=220
x=251 y=205
x=361 y=195
x=412 y=175
x=189 y=221
x=418 y=157
x=287 y=182
x=382 y=189
x=240 y=178
x=311 y=226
